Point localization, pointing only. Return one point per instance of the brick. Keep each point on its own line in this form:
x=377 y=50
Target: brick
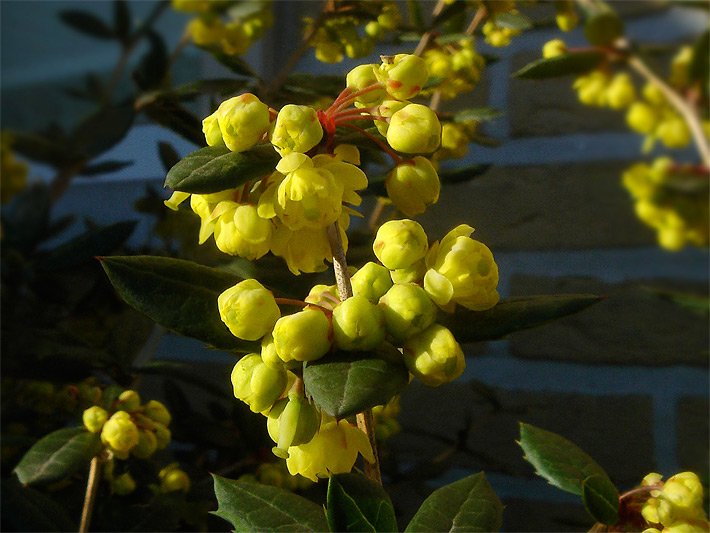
x=606 y=427
x=563 y=206
x=692 y=434
x=550 y=107
x=633 y=326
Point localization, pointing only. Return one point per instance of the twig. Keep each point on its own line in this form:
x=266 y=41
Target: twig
x=345 y=290
x=684 y=109
x=92 y=487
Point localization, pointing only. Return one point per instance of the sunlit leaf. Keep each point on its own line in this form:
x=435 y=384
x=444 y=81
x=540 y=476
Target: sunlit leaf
x=563 y=65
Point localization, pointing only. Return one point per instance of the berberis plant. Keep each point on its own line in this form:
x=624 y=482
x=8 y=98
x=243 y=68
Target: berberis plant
x=331 y=317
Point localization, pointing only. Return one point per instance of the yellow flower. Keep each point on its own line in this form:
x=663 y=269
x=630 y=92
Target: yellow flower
x=461 y=271
x=333 y=450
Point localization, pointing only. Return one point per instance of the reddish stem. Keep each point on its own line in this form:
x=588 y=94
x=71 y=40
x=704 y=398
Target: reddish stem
x=395 y=157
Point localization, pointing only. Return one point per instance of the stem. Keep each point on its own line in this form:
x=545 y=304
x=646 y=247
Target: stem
x=428 y=36
x=476 y=20
x=395 y=157
x=377 y=211
x=345 y=289
x=680 y=105
x=92 y=487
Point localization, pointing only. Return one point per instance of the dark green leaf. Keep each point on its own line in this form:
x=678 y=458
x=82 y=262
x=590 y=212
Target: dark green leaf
x=168 y=155
x=346 y=383
x=183 y=372
x=700 y=64
x=699 y=303
x=513 y=21
x=562 y=463
x=103 y=129
x=178 y=294
x=86 y=23
x=25 y=220
x=314 y=85
x=121 y=20
x=416 y=15
x=233 y=63
x=465 y=505
x=256 y=507
x=153 y=67
x=513 y=315
x=478 y=114
x=42 y=148
x=58 y=455
x=450 y=11
x=172 y=115
x=601 y=499
x=459 y=175
x=356 y=503
x=564 y=65
x=216 y=168
x=96 y=241
x=105 y=167
x=27 y=509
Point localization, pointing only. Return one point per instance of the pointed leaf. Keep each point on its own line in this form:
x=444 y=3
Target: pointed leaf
x=58 y=455
x=250 y=506
x=96 y=241
x=86 y=23
x=479 y=114
x=182 y=371
x=601 y=499
x=700 y=64
x=356 y=503
x=121 y=20
x=168 y=155
x=602 y=26
x=461 y=174
x=103 y=129
x=346 y=383
x=153 y=67
x=105 y=167
x=514 y=314
x=512 y=20
x=215 y=168
x=562 y=463
x=564 y=65
x=177 y=294
x=172 y=115
x=465 y=505
x=41 y=147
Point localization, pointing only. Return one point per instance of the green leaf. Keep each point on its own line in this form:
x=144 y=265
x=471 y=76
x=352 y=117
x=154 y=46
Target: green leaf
x=105 y=167
x=460 y=174
x=563 y=65
x=96 y=241
x=28 y=509
x=185 y=372
x=121 y=20
x=177 y=294
x=356 y=503
x=234 y=63
x=346 y=383
x=465 y=505
x=601 y=499
x=562 y=463
x=153 y=67
x=478 y=114
x=216 y=168
x=252 y=506
x=103 y=129
x=40 y=147
x=314 y=85
x=58 y=455
x=514 y=314
x=86 y=23
x=170 y=114
x=168 y=155
x=513 y=21
x=25 y=220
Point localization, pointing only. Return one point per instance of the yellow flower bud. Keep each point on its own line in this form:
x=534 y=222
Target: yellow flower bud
x=94 y=418
x=248 y=309
x=256 y=383
x=291 y=422
x=119 y=432
x=123 y=484
x=361 y=77
x=162 y=436
x=407 y=310
x=128 y=400
x=371 y=281
x=358 y=324
x=243 y=120
x=297 y=129
x=413 y=185
x=302 y=336
x=403 y=76
x=240 y=230
x=434 y=356
x=157 y=412
x=173 y=479
x=147 y=444
x=400 y=243
x=414 y=129
x=554 y=48
x=641 y=118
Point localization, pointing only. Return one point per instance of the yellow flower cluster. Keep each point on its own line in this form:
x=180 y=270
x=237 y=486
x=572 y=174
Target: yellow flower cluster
x=675 y=505
x=13 y=173
x=219 y=27
x=456 y=66
x=129 y=428
x=672 y=199
x=352 y=33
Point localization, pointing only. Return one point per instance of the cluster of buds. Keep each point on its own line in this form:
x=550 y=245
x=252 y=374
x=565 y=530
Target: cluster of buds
x=173 y=479
x=129 y=427
x=457 y=65
x=315 y=184
x=455 y=140
x=226 y=26
x=496 y=32
x=276 y=473
x=672 y=199
x=385 y=418
x=351 y=29
x=674 y=505
x=392 y=311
